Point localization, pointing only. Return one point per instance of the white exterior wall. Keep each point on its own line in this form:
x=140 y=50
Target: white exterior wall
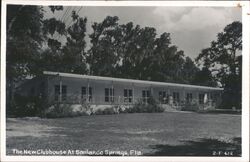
x=98 y=89
x=74 y=86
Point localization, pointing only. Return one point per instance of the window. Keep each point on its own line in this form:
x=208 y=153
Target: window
x=189 y=97
x=109 y=94
x=64 y=93
x=128 y=95
x=201 y=98
x=163 y=97
x=90 y=94
x=57 y=92
x=145 y=95
x=85 y=95
x=176 y=97
x=213 y=97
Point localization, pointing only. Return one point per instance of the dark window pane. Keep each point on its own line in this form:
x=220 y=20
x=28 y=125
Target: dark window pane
x=130 y=93
x=57 y=92
x=164 y=94
x=143 y=93
x=109 y=94
x=83 y=92
x=189 y=97
x=90 y=94
x=125 y=93
x=148 y=93
x=64 y=92
x=201 y=98
x=106 y=92
x=176 y=97
x=90 y=90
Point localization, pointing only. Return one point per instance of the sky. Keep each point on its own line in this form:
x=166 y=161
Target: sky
x=191 y=28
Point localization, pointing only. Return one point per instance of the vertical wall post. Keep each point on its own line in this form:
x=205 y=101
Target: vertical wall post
x=87 y=93
x=168 y=94
x=133 y=93
x=60 y=89
x=48 y=92
x=151 y=90
x=93 y=89
x=112 y=92
x=184 y=95
x=170 y=97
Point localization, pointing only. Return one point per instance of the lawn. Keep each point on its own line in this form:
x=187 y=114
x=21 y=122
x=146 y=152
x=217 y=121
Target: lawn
x=152 y=134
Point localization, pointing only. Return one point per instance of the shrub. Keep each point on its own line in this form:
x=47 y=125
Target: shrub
x=22 y=106
x=141 y=107
x=59 y=110
x=87 y=108
x=106 y=111
x=56 y=111
x=190 y=106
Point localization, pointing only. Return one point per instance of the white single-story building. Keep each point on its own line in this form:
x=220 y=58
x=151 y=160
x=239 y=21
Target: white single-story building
x=74 y=89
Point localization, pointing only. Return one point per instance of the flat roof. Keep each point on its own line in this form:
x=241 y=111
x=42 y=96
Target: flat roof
x=70 y=75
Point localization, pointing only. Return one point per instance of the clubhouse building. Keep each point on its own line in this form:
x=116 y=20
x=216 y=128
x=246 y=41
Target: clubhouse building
x=95 y=90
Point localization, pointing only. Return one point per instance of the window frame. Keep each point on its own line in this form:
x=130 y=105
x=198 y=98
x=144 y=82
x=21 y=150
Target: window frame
x=128 y=98
x=176 y=97
x=162 y=95
x=64 y=92
x=109 y=94
x=201 y=99
x=57 y=93
x=189 y=97
x=84 y=96
x=146 y=94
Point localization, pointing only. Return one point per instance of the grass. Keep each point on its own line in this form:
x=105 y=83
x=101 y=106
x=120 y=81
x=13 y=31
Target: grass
x=152 y=134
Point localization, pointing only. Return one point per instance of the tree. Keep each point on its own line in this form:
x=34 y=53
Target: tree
x=129 y=51
x=73 y=53
x=168 y=61
x=104 y=55
x=189 y=71
x=158 y=60
x=25 y=38
x=223 y=59
x=128 y=40
x=27 y=31
x=204 y=77
x=143 y=53
x=50 y=56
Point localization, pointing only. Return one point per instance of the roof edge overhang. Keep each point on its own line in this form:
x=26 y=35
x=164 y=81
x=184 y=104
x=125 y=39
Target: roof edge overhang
x=80 y=76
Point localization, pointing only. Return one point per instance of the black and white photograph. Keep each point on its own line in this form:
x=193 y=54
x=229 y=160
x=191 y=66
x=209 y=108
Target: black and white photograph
x=123 y=81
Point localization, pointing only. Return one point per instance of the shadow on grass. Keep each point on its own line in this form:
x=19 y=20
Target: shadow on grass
x=216 y=112
x=202 y=147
